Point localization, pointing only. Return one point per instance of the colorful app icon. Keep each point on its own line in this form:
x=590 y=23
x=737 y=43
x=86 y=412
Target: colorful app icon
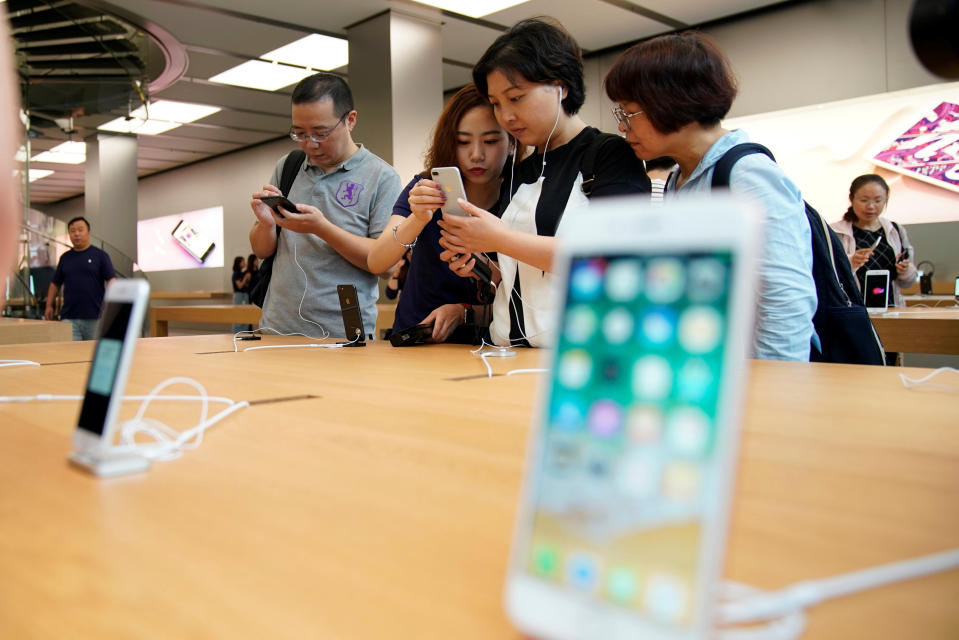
x=688 y=432
x=605 y=418
x=582 y=571
x=568 y=415
x=652 y=378
x=622 y=585
x=667 y=598
x=575 y=369
x=700 y=329
x=545 y=560
x=694 y=380
x=581 y=324
x=624 y=280
x=658 y=327
x=644 y=424
x=586 y=280
x=665 y=280
x=706 y=280
x=618 y=325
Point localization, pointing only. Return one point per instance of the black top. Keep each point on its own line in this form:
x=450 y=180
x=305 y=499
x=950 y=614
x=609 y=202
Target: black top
x=883 y=257
x=83 y=275
x=237 y=276
x=617 y=169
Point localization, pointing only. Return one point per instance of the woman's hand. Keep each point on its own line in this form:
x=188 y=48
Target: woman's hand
x=425 y=198
x=859 y=258
x=902 y=267
x=445 y=319
x=477 y=233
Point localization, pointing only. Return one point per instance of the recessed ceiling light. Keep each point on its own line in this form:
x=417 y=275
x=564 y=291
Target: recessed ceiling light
x=36 y=174
x=65 y=153
x=257 y=74
x=159 y=117
x=472 y=8
x=313 y=51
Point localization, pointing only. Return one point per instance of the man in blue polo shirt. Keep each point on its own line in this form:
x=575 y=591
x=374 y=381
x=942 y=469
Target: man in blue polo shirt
x=84 y=271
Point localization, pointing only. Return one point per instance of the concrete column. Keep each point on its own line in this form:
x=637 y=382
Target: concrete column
x=396 y=74
x=110 y=200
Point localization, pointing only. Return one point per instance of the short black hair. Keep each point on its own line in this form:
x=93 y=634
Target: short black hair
x=85 y=221
x=540 y=50
x=320 y=86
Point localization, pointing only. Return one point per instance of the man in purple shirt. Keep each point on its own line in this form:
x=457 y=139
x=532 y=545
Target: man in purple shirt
x=84 y=272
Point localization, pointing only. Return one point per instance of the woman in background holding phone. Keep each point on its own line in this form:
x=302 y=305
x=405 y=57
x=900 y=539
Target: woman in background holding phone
x=871 y=241
x=468 y=137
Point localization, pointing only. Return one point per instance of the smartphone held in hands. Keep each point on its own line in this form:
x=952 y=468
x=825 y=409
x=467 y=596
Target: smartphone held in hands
x=451 y=183
x=275 y=202
x=622 y=520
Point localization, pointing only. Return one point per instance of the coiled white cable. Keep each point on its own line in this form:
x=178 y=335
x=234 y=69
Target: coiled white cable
x=913 y=383
x=19 y=363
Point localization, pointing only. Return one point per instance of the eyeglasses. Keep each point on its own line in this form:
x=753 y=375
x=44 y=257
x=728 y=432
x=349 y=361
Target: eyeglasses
x=622 y=117
x=316 y=137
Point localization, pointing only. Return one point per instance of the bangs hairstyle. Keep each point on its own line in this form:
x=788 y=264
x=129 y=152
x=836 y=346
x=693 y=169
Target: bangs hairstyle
x=540 y=50
x=442 y=151
x=676 y=79
x=321 y=86
x=859 y=183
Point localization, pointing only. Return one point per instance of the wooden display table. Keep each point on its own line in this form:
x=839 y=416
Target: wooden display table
x=919 y=330
x=378 y=500
x=22 y=331
x=160 y=317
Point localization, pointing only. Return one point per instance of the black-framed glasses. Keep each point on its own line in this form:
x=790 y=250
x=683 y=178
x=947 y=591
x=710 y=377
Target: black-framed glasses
x=622 y=117
x=316 y=137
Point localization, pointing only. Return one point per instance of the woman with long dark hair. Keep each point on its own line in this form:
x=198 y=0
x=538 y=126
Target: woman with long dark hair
x=466 y=136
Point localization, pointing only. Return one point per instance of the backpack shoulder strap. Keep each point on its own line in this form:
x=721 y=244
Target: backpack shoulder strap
x=725 y=165
x=290 y=168
x=588 y=166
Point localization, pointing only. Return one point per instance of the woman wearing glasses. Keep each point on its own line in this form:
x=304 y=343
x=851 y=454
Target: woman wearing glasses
x=533 y=77
x=671 y=94
x=466 y=136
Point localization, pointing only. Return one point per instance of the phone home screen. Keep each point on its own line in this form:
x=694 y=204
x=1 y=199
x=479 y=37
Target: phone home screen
x=629 y=468
x=106 y=362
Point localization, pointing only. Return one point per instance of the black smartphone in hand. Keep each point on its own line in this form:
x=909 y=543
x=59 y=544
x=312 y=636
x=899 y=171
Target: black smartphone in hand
x=904 y=255
x=275 y=202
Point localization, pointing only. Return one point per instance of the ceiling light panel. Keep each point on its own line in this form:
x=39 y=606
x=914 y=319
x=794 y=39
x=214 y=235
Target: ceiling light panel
x=472 y=8
x=65 y=153
x=257 y=74
x=314 y=51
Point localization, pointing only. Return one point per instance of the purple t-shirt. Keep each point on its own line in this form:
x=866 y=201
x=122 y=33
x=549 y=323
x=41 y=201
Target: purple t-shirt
x=83 y=275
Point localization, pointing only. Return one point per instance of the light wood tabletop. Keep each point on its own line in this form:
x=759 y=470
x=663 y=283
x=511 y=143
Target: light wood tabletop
x=190 y=295
x=379 y=502
x=919 y=330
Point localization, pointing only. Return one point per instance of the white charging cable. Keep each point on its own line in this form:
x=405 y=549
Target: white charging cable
x=802 y=595
x=913 y=383
x=18 y=363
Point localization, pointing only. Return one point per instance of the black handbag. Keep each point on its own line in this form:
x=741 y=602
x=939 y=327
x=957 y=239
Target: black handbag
x=290 y=167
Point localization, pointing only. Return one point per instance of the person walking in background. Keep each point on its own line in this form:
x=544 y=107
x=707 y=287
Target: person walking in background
x=863 y=225
x=84 y=273
x=241 y=288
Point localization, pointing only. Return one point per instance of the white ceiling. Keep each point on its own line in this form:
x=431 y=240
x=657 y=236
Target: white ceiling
x=219 y=34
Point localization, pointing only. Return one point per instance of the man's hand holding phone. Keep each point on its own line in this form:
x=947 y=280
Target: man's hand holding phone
x=263 y=211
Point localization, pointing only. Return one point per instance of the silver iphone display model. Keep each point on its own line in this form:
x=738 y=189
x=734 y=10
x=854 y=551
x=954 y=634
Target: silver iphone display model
x=451 y=182
x=121 y=321
x=623 y=515
x=876 y=290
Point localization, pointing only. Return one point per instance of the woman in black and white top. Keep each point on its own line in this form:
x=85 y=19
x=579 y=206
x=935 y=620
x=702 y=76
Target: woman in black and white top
x=863 y=225
x=533 y=76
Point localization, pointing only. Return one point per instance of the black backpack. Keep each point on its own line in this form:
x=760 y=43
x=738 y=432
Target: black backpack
x=845 y=331
x=290 y=167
